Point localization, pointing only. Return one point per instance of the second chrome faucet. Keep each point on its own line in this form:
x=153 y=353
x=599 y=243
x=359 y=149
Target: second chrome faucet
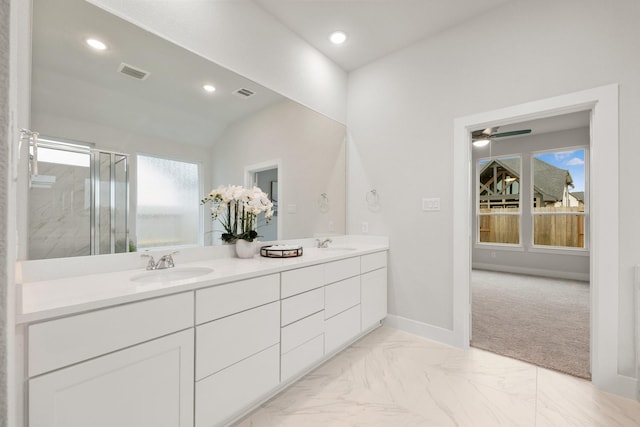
x=323 y=243
x=165 y=261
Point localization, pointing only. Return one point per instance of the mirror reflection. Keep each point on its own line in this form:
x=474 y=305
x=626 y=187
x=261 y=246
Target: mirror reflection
x=134 y=132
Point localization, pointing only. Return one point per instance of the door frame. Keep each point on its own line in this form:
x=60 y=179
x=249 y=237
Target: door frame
x=249 y=175
x=602 y=102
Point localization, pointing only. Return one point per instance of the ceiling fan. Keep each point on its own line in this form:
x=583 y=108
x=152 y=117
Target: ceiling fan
x=483 y=136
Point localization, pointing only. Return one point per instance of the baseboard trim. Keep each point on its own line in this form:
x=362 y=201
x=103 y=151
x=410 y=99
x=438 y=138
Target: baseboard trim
x=532 y=271
x=435 y=333
x=621 y=385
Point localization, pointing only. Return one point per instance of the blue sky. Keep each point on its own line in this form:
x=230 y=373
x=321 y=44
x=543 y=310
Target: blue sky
x=573 y=161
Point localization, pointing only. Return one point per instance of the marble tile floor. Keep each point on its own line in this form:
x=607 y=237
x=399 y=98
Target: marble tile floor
x=391 y=378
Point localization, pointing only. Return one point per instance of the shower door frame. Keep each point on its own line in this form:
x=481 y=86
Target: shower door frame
x=95 y=201
x=94 y=197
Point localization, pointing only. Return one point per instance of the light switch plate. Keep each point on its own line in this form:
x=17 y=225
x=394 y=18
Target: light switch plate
x=432 y=204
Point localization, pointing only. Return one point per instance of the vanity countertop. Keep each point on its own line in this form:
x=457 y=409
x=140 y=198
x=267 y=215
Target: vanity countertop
x=45 y=299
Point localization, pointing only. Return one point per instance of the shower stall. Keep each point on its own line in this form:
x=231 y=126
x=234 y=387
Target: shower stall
x=78 y=200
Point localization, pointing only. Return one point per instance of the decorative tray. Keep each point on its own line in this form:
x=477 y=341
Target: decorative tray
x=281 y=251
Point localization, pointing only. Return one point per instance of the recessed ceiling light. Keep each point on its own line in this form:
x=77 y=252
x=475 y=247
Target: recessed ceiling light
x=209 y=88
x=96 y=44
x=338 y=37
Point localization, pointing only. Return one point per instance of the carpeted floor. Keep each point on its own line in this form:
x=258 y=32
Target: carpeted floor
x=539 y=320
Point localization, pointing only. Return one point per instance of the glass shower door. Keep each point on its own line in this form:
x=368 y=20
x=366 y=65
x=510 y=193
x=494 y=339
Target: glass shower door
x=78 y=201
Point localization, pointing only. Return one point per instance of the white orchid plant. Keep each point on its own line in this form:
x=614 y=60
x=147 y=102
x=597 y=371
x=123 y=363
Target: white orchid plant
x=237 y=208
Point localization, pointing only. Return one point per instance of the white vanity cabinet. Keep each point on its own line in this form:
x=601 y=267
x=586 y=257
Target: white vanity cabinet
x=203 y=357
x=124 y=366
x=237 y=347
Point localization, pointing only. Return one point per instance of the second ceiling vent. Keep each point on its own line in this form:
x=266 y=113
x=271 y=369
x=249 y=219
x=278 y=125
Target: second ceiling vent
x=133 y=72
x=244 y=93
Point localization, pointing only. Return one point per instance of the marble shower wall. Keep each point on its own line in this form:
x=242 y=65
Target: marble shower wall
x=60 y=215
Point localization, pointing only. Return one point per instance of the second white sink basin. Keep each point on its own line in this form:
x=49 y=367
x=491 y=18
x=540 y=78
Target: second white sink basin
x=337 y=248
x=171 y=274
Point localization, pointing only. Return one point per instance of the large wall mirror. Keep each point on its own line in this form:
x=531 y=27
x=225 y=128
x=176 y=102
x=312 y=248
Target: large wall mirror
x=130 y=140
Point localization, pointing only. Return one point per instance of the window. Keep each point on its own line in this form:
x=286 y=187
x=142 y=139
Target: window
x=168 y=203
x=559 y=194
x=498 y=200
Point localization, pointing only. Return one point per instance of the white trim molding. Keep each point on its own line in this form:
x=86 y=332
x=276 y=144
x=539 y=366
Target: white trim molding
x=602 y=102
x=424 y=330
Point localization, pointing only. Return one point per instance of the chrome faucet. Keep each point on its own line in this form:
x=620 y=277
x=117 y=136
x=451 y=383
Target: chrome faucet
x=165 y=261
x=323 y=243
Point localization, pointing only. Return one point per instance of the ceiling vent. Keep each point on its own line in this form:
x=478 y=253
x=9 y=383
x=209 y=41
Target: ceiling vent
x=244 y=93
x=132 y=71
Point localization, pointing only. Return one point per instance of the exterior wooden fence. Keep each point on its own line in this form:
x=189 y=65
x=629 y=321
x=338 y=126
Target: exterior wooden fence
x=556 y=227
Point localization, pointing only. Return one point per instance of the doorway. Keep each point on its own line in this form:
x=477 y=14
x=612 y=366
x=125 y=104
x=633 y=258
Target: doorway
x=602 y=102
x=530 y=245
x=267 y=176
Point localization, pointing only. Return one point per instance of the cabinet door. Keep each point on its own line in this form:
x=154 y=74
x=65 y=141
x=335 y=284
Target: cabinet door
x=150 y=384
x=373 y=304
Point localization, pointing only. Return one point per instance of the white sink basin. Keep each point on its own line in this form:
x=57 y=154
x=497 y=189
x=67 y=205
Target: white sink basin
x=337 y=248
x=171 y=274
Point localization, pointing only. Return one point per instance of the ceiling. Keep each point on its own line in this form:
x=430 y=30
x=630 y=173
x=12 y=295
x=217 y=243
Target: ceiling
x=69 y=78
x=374 y=28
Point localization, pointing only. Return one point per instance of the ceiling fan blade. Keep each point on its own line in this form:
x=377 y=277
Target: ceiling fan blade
x=511 y=133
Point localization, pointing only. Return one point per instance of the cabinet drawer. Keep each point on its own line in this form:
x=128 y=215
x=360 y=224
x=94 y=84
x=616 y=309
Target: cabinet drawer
x=301 y=331
x=301 y=280
x=340 y=296
x=339 y=270
x=341 y=329
x=224 y=300
x=373 y=261
x=226 y=341
x=297 y=360
x=302 y=305
x=69 y=340
x=228 y=392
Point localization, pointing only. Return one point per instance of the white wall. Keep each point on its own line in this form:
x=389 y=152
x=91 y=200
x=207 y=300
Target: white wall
x=242 y=37
x=554 y=264
x=400 y=119
x=311 y=151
